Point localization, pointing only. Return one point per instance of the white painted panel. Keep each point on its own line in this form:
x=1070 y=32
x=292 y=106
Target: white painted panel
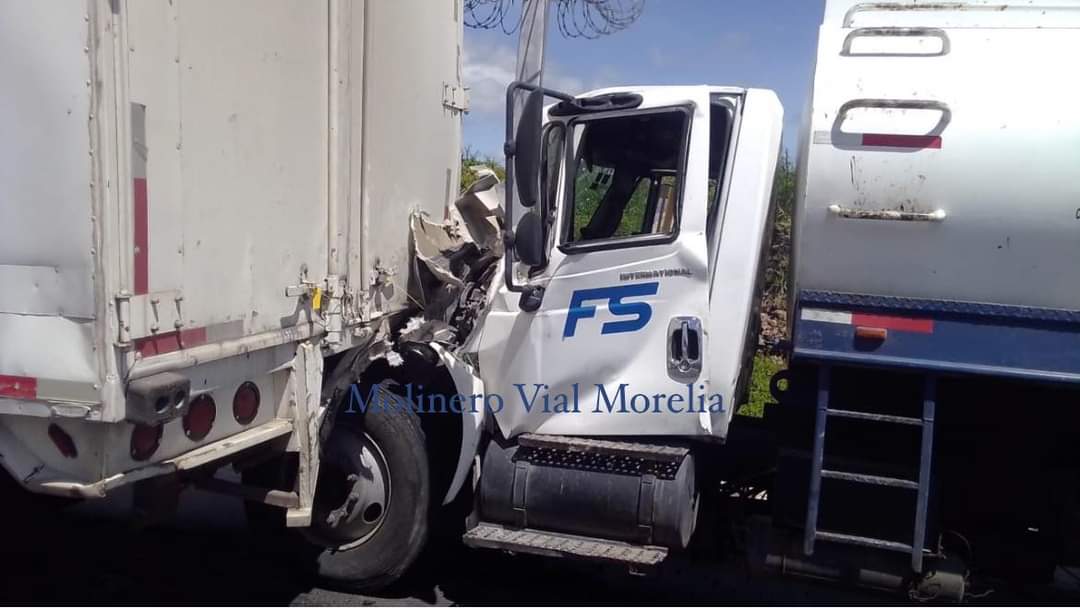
x=34 y=455
x=47 y=347
x=44 y=152
x=236 y=118
x=44 y=290
x=412 y=141
x=154 y=69
x=1004 y=176
x=740 y=252
x=46 y=261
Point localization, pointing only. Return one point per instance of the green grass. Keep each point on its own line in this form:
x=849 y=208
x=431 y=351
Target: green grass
x=472 y=162
x=764 y=368
x=588 y=200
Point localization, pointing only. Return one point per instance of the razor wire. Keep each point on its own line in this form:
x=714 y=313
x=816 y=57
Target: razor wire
x=575 y=18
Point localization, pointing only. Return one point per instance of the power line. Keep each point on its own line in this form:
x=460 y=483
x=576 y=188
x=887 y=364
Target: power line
x=576 y=18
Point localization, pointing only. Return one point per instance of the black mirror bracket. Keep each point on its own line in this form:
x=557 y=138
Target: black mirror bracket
x=532 y=296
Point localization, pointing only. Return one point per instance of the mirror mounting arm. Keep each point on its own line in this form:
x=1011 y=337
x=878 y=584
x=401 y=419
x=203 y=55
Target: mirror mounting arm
x=531 y=296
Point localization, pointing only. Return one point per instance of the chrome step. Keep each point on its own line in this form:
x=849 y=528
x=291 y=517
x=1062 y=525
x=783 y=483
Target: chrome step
x=551 y=544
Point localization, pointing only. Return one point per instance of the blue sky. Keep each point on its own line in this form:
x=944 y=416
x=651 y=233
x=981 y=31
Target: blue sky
x=753 y=43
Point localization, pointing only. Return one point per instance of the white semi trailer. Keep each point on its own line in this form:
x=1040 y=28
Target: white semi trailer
x=204 y=219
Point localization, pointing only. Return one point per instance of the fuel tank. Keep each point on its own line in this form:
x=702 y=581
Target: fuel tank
x=631 y=492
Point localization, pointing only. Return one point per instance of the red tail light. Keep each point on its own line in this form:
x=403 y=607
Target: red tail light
x=145 y=440
x=199 y=418
x=245 y=405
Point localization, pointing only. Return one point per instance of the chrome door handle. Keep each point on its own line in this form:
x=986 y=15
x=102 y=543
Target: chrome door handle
x=684 y=348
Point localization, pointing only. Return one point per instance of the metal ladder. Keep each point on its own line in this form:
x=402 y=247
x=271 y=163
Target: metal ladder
x=922 y=486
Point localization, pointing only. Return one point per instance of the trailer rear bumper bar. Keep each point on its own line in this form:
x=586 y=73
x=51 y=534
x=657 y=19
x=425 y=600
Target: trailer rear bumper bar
x=40 y=481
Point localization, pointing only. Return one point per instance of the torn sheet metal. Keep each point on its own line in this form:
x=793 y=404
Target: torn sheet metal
x=480 y=210
x=442 y=248
x=454 y=263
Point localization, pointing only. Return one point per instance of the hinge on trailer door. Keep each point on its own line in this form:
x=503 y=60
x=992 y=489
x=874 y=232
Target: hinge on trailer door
x=455 y=97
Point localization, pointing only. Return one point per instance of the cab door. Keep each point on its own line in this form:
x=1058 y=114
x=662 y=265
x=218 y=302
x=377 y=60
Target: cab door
x=617 y=344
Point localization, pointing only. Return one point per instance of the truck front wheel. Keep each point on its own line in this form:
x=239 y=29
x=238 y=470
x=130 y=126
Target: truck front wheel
x=370 y=518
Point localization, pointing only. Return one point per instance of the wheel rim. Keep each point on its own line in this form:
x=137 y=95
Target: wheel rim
x=352 y=497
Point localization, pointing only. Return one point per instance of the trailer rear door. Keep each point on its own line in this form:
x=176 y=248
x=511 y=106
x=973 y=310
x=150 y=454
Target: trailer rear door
x=49 y=269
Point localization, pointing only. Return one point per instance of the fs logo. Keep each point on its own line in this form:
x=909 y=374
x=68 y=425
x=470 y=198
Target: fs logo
x=580 y=309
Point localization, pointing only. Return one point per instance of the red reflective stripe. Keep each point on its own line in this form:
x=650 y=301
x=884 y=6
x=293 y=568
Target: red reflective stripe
x=170 y=342
x=921 y=326
x=887 y=140
x=18 y=387
x=141 y=220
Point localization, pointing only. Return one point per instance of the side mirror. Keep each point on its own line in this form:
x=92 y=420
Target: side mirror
x=527 y=149
x=529 y=239
x=523 y=157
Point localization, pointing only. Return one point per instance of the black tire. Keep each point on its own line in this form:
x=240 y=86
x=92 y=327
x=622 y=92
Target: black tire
x=387 y=552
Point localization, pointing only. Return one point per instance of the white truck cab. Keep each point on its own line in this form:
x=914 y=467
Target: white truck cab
x=625 y=317
x=655 y=210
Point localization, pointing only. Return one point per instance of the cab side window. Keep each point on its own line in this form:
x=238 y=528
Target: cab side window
x=627 y=177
